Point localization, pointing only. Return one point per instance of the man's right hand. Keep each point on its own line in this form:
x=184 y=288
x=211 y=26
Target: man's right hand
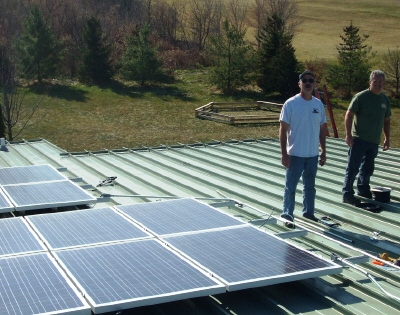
x=349 y=141
x=285 y=160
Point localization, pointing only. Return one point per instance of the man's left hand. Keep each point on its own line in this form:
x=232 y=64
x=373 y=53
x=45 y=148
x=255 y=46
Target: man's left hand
x=322 y=159
x=386 y=145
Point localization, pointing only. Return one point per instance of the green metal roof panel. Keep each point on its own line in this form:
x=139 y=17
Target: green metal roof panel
x=250 y=173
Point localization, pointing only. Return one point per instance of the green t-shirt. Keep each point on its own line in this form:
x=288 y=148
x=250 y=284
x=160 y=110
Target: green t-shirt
x=370 y=112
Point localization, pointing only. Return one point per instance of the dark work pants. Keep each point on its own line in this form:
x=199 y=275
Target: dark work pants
x=361 y=159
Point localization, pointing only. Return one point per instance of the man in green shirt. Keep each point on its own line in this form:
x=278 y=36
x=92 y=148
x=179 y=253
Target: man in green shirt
x=368 y=114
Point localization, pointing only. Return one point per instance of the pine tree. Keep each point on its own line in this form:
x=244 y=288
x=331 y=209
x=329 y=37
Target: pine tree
x=231 y=57
x=140 y=62
x=352 y=72
x=96 y=67
x=38 y=49
x=278 y=65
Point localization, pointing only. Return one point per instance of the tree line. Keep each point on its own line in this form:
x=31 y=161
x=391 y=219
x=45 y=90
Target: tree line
x=94 y=41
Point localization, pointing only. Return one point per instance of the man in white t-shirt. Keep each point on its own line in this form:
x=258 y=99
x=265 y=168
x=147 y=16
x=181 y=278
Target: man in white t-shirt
x=302 y=132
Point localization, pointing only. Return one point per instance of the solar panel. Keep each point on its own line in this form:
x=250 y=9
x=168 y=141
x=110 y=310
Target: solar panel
x=29 y=174
x=47 y=195
x=5 y=205
x=32 y=284
x=131 y=274
x=176 y=216
x=247 y=257
x=16 y=237
x=84 y=227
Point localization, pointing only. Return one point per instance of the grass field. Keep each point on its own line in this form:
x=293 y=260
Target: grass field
x=76 y=117
x=322 y=22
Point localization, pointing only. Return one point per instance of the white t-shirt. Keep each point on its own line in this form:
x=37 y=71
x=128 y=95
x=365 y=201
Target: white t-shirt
x=304 y=119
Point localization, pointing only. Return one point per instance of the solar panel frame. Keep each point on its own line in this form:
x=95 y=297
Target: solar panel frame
x=16 y=237
x=136 y=276
x=178 y=216
x=41 y=195
x=247 y=257
x=5 y=203
x=35 y=284
x=85 y=227
x=29 y=174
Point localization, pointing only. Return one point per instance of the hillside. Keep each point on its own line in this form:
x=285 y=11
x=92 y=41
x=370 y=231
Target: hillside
x=322 y=22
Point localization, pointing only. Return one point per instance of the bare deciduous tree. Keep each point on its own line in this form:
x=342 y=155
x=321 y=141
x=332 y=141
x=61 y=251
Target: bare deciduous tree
x=10 y=20
x=16 y=114
x=286 y=9
x=391 y=66
x=205 y=20
x=237 y=11
x=165 y=20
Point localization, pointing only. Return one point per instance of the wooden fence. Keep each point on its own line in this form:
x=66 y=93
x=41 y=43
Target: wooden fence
x=237 y=113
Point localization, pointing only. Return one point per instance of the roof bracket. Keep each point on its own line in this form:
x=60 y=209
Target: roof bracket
x=292 y=234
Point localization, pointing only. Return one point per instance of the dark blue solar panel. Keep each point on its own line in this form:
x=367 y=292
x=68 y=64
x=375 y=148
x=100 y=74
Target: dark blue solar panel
x=175 y=216
x=247 y=257
x=135 y=273
x=84 y=227
x=15 y=237
x=31 y=284
x=29 y=174
x=5 y=205
x=47 y=195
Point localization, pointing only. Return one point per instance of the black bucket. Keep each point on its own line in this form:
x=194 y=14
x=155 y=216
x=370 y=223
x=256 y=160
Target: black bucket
x=381 y=194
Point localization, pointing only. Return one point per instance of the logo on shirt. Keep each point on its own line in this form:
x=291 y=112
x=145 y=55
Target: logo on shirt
x=315 y=111
x=383 y=105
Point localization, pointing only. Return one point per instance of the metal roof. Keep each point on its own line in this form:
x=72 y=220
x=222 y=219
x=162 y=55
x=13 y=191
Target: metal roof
x=246 y=179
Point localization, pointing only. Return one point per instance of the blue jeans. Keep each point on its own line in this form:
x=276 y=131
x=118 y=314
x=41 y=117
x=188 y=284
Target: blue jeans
x=361 y=159
x=307 y=169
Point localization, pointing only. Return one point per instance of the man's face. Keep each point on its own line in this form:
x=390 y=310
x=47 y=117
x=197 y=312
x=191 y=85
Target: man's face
x=376 y=84
x=307 y=83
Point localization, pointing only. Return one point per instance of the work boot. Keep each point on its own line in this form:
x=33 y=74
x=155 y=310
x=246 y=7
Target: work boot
x=367 y=194
x=351 y=200
x=310 y=217
x=289 y=221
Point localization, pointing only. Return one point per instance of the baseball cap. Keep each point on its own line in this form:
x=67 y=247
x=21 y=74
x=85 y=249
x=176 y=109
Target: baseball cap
x=306 y=72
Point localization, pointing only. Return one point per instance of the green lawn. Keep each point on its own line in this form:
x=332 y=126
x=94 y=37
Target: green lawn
x=76 y=117
x=79 y=117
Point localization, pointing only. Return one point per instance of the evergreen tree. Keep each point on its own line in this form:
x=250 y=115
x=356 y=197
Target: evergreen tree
x=38 y=49
x=352 y=72
x=96 y=67
x=278 y=65
x=231 y=57
x=140 y=62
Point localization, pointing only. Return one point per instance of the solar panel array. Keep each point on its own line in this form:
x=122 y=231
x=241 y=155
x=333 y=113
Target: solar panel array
x=247 y=257
x=143 y=254
x=5 y=204
x=33 y=284
x=133 y=274
x=84 y=227
x=176 y=216
x=17 y=238
x=38 y=187
x=29 y=174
